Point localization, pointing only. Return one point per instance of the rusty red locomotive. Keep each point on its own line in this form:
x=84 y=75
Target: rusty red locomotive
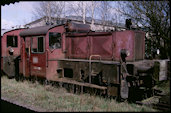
x=112 y=62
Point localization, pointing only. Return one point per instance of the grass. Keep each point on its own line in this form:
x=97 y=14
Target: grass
x=48 y=99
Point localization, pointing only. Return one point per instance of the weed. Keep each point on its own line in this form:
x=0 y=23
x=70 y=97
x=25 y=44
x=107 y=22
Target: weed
x=48 y=98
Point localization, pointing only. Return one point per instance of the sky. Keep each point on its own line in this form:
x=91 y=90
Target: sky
x=18 y=13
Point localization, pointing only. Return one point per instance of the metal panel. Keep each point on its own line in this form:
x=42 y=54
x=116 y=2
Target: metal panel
x=38 y=68
x=102 y=45
x=79 y=47
x=84 y=45
x=139 y=46
x=108 y=45
x=124 y=40
x=110 y=74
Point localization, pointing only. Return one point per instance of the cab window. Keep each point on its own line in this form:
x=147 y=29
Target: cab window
x=54 y=40
x=12 y=41
x=37 y=44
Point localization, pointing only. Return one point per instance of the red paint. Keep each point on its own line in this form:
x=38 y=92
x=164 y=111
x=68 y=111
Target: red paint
x=53 y=55
x=25 y=69
x=124 y=40
x=82 y=45
x=101 y=45
x=108 y=46
x=4 y=42
x=42 y=64
x=78 y=46
x=4 y=48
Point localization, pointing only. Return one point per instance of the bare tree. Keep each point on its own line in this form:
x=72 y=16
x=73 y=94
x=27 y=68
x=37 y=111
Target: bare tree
x=154 y=16
x=83 y=9
x=80 y=9
x=40 y=10
x=49 y=9
x=92 y=9
x=58 y=10
x=105 y=12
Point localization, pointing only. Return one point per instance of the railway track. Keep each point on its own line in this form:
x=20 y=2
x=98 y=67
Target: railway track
x=162 y=105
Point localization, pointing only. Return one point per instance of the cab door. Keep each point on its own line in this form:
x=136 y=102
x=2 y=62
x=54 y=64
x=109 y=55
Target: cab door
x=38 y=57
x=26 y=57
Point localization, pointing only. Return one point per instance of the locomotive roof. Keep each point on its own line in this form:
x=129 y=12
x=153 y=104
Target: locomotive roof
x=4 y=31
x=41 y=30
x=9 y=30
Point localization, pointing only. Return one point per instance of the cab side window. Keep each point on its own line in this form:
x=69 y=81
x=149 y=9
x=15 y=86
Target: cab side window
x=12 y=41
x=54 y=40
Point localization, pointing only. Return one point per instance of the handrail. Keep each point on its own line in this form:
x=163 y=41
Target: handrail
x=47 y=56
x=90 y=65
x=29 y=51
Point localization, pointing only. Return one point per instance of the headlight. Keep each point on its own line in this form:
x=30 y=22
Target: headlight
x=127 y=53
x=124 y=52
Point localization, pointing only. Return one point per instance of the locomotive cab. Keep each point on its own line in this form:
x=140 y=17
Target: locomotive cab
x=41 y=48
x=10 y=48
